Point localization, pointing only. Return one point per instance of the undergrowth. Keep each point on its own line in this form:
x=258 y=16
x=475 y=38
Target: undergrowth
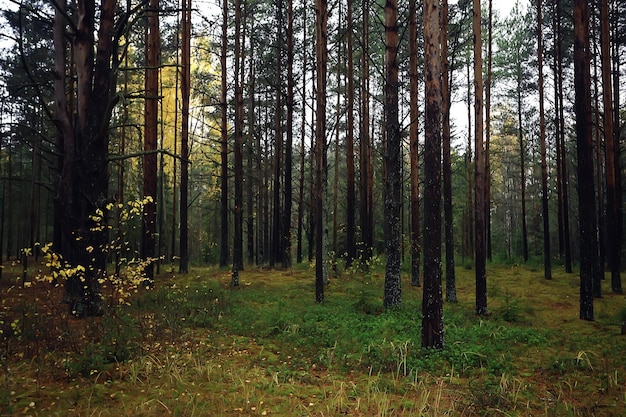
x=195 y=346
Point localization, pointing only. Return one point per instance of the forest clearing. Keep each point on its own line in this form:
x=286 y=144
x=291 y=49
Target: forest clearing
x=196 y=346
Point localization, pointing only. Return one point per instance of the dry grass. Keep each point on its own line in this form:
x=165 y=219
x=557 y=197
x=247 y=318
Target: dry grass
x=197 y=361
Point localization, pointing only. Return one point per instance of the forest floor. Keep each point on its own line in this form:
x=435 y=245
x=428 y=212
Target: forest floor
x=194 y=346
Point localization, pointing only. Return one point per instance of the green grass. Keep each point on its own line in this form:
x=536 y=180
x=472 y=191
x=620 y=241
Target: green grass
x=194 y=346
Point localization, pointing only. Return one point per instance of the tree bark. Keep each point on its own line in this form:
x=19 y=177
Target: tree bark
x=393 y=284
x=185 y=85
x=612 y=162
x=584 y=146
x=350 y=197
x=238 y=149
x=447 y=163
x=321 y=61
x=224 y=227
x=416 y=248
x=432 y=304
x=479 y=172
x=547 y=259
x=150 y=140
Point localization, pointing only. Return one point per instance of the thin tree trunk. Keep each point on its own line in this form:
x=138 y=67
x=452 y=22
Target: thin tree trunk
x=150 y=140
x=479 y=173
x=185 y=84
x=224 y=228
x=616 y=285
x=251 y=148
x=364 y=151
x=276 y=253
x=321 y=57
x=393 y=283
x=238 y=150
x=561 y=138
x=522 y=159
x=612 y=163
x=286 y=228
x=488 y=132
x=447 y=163
x=350 y=197
x=416 y=249
x=547 y=259
x=584 y=140
x=299 y=256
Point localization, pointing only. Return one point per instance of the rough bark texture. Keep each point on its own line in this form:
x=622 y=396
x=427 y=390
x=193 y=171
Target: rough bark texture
x=584 y=146
x=432 y=304
x=393 y=284
x=83 y=183
x=479 y=172
x=321 y=58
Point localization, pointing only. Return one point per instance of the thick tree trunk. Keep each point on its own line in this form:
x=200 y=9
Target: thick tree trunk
x=584 y=142
x=432 y=304
x=83 y=184
x=479 y=173
x=393 y=283
x=547 y=260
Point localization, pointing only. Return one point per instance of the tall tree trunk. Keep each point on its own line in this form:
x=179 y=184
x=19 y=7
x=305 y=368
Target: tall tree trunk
x=276 y=253
x=286 y=228
x=612 y=163
x=299 y=256
x=185 y=85
x=479 y=173
x=321 y=61
x=83 y=182
x=350 y=197
x=393 y=283
x=224 y=228
x=367 y=238
x=432 y=303
x=447 y=163
x=547 y=263
x=488 y=132
x=251 y=148
x=584 y=142
x=616 y=285
x=416 y=249
x=238 y=150
x=522 y=162
x=561 y=143
x=150 y=139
